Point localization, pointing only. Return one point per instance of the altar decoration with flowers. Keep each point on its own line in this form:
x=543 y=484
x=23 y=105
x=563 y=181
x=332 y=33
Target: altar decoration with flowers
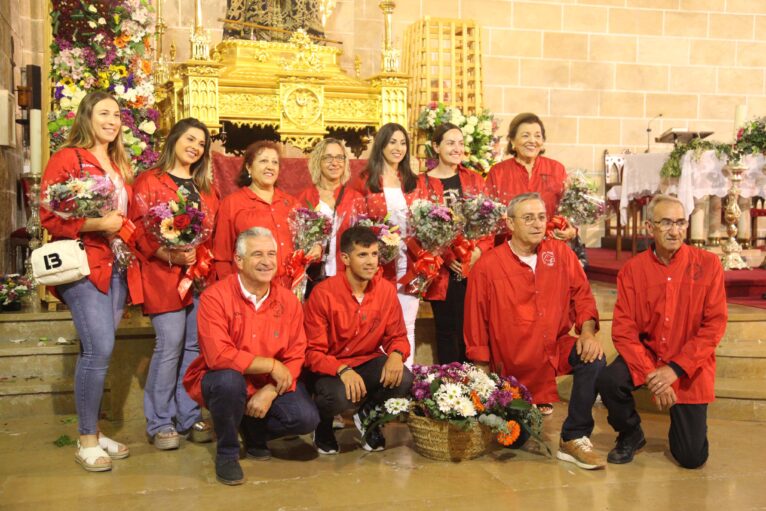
x=455 y=412
x=478 y=130
x=105 y=46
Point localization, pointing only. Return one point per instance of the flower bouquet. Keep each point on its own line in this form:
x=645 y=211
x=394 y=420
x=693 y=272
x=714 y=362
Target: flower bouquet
x=580 y=202
x=432 y=228
x=90 y=196
x=309 y=227
x=480 y=216
x=13 y=288
x=388 y=235
x=455 y=410
x=180 y=224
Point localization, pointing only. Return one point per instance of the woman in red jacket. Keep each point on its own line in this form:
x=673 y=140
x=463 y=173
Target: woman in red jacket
x=184 y=167
x=94 y=147
x=389 y=186
x=446 y=183
x=331 y=196
x=258 y=203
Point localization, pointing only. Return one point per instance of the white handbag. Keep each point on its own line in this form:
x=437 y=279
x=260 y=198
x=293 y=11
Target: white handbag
x=60 y=262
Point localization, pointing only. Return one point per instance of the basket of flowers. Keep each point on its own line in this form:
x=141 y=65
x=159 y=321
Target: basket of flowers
x=457 y=411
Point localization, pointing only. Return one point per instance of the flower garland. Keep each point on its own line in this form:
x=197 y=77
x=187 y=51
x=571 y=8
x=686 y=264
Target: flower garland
x=478 y=131
x=104 y=45
x=751 y=138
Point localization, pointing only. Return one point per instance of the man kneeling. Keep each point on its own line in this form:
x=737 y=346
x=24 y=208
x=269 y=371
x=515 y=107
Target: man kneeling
x=351 y=320
x=253 y=347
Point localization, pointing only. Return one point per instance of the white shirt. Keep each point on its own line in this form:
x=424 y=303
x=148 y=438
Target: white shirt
x=530 y=260
x=330 y=267
x=250 y=296
x=397 y=208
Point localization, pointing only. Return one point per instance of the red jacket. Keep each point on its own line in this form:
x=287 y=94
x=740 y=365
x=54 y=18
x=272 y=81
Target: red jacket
x=351 y=205
x=375 y=205
x=160 y=279
x=232 y=333
x=675 y=313
x=519 y=320
x=342 y=331
x=509 y=178
x=242 y=210
x=61 y=166
x=431 y=187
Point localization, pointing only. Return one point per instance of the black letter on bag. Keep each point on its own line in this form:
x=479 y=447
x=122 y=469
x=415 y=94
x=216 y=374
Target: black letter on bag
x=52 y=261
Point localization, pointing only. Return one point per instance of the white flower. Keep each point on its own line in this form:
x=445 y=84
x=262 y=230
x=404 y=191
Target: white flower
x=92 y=8
x=465 y=407
x=148 y=127
x=468 y=139
x=473 y=120
x=142 y=145
x=395 y=406
x=467 y=130
x=98 y=38
x=101 y=21
x=430 y=378
x=119 y=90
x=92 y=24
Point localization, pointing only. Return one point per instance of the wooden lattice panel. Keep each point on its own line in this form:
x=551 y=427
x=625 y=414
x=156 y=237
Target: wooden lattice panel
x=443 y=57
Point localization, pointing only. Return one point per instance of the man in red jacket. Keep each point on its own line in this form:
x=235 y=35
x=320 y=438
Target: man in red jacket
x=253 y=347
x=669 y=317
x=357 y=342
x=523 y=298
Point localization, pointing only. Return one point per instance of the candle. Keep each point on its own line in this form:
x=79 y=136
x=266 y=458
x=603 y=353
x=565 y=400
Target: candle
x=740 y=114
x=35 y=141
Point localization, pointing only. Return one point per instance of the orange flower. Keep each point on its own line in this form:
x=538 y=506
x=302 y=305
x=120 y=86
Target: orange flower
x=515 y=393
x=122 y=40
x=477 y=402
x=146 y=67
x=514 y=430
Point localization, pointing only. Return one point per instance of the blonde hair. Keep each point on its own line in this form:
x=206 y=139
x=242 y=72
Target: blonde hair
x=82 y=134
x=315 y=160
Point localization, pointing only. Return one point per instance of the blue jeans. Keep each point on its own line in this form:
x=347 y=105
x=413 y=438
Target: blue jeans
x=96 y=316
x=166 y=402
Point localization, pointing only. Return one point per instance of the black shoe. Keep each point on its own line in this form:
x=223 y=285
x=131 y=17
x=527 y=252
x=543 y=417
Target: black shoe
x=324 y=438
x=374 y=441
x=627 y=445
x=258 y=452
x=229 y=472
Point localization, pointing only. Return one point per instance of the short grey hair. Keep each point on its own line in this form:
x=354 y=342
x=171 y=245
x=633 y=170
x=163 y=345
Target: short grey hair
x=660 y=198
x=522 y=198
x=253 y=232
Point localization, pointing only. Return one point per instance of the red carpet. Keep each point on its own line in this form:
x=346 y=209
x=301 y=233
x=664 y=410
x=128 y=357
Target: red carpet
x=743 y=287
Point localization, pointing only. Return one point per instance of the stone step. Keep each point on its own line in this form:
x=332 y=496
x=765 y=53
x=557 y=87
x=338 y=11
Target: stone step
x=33 y=396
x=741 y=359
x=753 y=410
x=741 y=388
x=27 y=359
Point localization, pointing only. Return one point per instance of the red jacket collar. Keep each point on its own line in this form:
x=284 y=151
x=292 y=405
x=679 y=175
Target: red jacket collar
x=370 y=285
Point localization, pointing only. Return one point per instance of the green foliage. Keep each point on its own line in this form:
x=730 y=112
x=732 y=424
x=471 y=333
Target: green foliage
x=672 y=167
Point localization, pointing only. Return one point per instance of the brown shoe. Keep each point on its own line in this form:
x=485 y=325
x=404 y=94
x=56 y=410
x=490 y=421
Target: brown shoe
x=580 y=452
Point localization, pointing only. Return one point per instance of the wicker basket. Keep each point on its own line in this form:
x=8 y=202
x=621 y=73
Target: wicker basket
x=442 y=441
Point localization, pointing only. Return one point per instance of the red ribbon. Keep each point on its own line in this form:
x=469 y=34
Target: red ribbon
x=557 y=222
x=296 y=266
x=426 y=265
x=196 y=272
x=463 y=250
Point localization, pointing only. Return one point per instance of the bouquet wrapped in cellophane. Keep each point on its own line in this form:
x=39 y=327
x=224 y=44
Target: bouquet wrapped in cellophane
x=309 y=228
x=480 y=216
x=581 y=202
x=389 y=238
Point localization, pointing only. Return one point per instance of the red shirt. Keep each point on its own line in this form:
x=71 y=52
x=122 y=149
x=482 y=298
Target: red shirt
x=242 y=210
x=519 y=320
x=232 y=333
x=342 y=331
x=675 y=313
x=159 y=278
x=350 y=207
x=61 y=166
x=471 y=183
x=509 y=178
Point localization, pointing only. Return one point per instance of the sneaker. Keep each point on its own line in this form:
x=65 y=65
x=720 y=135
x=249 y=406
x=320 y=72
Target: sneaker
x=627 y=445
x=229 y=472
x=338 y=422
x=324 y=439
x=374 y=441
x=166 y=439
x=258 y=452
x=580 y=452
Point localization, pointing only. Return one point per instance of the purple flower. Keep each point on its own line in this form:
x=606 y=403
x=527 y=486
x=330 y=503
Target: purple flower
x=441 y=213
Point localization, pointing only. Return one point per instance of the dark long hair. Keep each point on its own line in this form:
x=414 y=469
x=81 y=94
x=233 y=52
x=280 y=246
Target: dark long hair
x=253 y=150
x=200 y=169
x=374 y=170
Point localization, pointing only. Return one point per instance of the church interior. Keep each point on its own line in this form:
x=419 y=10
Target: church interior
x=639 y=96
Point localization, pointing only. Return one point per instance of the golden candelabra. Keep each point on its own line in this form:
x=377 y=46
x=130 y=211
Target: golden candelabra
x=732 y=251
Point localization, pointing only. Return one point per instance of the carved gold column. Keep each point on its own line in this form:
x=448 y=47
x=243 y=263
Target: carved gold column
x=391 y=82
x=732 y=252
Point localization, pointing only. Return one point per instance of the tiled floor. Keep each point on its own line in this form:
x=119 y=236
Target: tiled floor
x=36 y=475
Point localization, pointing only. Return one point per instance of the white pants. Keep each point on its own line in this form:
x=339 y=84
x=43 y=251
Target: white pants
x=409 y=304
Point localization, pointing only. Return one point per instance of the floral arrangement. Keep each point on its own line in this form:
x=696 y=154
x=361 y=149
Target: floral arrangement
x=480 y=215
x=751 y=139
x=463 y=394
x=104 y=46
x=672 y=167
x=580 y=201
x=388 y=235
x=177 y=224
x=309 y=227
x=13 y=288
x=478 y=130
x=80 y=197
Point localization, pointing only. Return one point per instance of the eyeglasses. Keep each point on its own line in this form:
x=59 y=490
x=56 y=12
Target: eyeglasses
x=329 y=158
x=530 y=219
x=666 y=224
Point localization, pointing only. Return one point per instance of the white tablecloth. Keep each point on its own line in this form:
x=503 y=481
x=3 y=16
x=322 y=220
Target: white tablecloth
x=640 y=178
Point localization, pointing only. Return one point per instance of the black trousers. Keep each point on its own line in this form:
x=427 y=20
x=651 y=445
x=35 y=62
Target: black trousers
x=225 y=394
x=448 y=320
x=688 y=423
x=330 y=393
x=579 y=421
